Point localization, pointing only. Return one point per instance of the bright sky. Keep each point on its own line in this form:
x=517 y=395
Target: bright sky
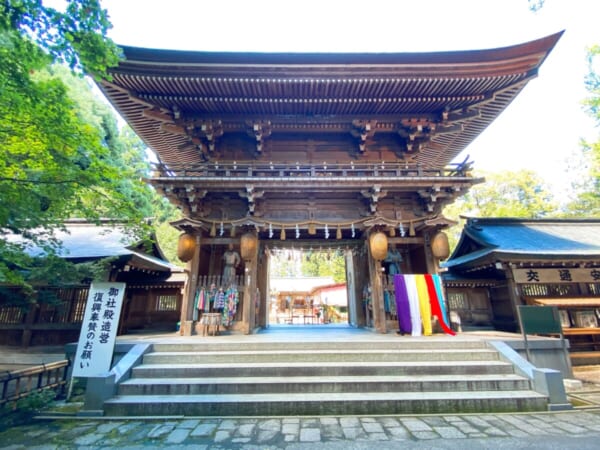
x=539 y=130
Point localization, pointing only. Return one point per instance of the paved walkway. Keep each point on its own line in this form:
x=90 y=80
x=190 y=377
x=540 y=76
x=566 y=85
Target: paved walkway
x=573 y=429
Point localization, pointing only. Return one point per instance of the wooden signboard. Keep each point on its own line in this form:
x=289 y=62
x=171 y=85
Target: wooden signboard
x=558 y=275
x=99 y=329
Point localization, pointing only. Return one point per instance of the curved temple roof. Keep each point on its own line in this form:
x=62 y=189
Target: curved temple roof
x=487 y=239
x=456 y=94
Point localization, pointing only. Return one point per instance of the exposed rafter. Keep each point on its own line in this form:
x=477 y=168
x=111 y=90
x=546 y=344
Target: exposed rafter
x=435 y=102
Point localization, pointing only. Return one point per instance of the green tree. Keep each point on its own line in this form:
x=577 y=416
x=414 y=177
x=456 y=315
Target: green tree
x=61 y=154
x=166 y=235
x=504 y=194
x=324 y=264
x=587 y=202
x=309 y=263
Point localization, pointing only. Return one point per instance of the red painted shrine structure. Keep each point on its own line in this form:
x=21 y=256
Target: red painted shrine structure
x=266 y=150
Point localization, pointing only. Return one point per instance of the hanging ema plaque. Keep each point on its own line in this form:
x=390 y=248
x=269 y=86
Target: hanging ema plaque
x=99 y=329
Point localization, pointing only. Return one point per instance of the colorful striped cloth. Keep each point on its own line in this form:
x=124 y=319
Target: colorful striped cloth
x=402 y=305
x=418 y=299
x=413 y=300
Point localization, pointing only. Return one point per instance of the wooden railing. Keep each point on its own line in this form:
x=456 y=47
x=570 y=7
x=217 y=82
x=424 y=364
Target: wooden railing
x=279 y=170
x=20 y=383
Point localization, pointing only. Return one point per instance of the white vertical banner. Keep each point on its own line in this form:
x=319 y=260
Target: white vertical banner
x=99 y=329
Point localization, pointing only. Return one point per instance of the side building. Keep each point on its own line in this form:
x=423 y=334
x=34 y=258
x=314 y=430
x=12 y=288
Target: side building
x=152 y=299
x=501 y=263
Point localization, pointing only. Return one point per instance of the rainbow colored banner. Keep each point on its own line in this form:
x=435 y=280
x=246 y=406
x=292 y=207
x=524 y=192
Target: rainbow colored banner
x=418 y=299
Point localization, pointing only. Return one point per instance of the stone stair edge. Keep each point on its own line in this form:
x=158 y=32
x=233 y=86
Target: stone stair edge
x=325 y=379
x=325 y=364
x=319 y=397
x=323 y=352
x=331 y=344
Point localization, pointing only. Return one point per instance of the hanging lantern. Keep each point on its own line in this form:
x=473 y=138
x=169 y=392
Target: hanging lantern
x=312 y=229
x=213 y=230
x=248 y=246
x=186 y=247
x=439 y=245
x=392 y=232
x=282 y=235
x=232 y=231
x=378 y=244
x=338 y=233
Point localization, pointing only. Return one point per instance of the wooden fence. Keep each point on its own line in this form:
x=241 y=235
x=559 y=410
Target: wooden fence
x=20 y=383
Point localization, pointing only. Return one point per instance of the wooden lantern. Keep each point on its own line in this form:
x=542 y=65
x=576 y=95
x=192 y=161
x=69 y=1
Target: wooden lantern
x=378 y=245
x=439 y=245
x=186 y=247
x=248 y=246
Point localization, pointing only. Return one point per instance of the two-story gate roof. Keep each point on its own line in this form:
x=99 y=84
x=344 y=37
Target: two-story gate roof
x=442 y=101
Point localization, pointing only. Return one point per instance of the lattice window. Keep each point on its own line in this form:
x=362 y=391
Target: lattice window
x=166 y=303
x=549 y=290
x=457 y=300
x=594 y=288
x=11 y=314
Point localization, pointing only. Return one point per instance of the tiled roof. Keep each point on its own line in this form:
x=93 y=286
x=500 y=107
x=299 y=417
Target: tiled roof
x=83 y=240
x=314 y=92
x=521 y=237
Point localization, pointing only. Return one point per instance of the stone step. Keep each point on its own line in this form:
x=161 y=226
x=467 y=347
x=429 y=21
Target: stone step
x=341 y=355
x=401 y=343
x=323 y=384
x=297 y=404
x=291 y=369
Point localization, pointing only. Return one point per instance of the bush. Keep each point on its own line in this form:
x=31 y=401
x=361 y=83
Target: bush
x=25 y=408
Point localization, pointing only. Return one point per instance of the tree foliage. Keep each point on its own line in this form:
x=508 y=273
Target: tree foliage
x=507 y=194
x=61 y=152
x=323 y=264
x=166 y=235
x=587 y=203
x=520 y=194
x=75 y=37
x=309 y=263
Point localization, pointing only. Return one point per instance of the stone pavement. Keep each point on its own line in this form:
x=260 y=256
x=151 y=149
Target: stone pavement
x=557 y=430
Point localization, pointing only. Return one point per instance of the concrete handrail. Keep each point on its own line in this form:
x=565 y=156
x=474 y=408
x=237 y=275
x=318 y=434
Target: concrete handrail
x=545 y=381
x=104 y=386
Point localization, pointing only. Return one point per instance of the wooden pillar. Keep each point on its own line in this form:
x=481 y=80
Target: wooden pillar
x=30 y=319
x=263 y=286
x=249 y=311
x=186 y=325
x=432 y=266
x=378 y=311
x=513 y=291
x=351 y=289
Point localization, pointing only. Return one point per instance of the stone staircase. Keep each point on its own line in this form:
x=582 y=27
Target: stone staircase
x=398 y=376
